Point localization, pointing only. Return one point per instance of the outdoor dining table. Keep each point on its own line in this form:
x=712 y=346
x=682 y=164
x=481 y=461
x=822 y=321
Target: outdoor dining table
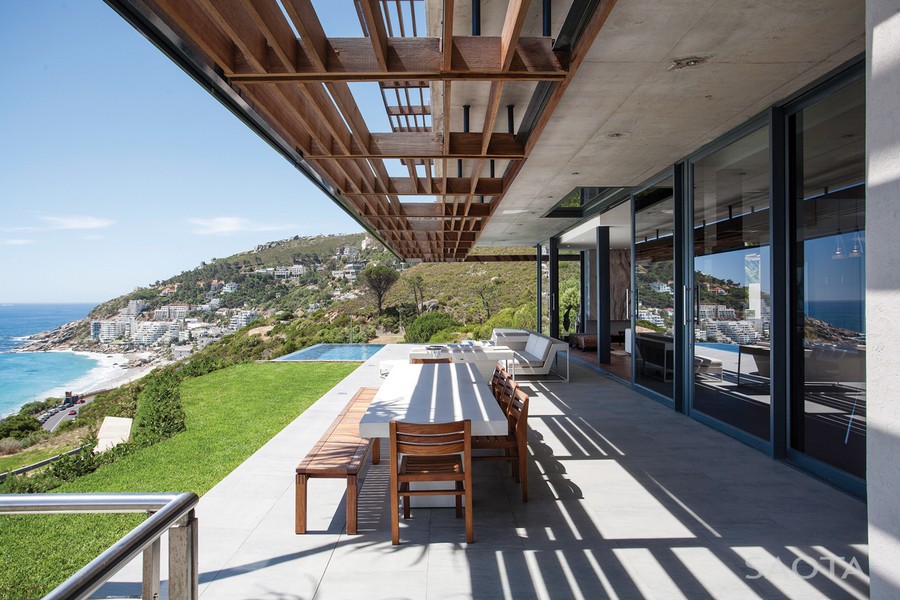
x=483 y=355
x=434 y=393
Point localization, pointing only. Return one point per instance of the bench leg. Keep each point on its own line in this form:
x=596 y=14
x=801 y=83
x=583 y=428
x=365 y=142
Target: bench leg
x=376 y=451
x=300 y=509
x=351 y=504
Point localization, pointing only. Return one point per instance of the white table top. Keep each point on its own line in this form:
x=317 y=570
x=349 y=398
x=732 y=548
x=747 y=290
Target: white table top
x=434 y=393
x=465 y=353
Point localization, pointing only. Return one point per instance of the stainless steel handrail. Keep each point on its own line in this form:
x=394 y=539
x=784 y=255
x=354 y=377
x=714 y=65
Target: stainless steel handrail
x=173 y=512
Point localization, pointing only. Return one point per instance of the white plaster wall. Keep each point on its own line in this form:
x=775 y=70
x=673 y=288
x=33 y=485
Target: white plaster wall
x=883 y=294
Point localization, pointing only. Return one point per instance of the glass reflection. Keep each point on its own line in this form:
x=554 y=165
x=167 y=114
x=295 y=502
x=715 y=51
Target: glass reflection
x=732 y=285
x=828 y=399
x=654 y=276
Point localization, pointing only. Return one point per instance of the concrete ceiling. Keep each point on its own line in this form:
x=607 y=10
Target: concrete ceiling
x=629 y=113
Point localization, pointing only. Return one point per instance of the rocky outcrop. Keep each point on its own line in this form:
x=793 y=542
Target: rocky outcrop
x=64 y=337
x=820 y=331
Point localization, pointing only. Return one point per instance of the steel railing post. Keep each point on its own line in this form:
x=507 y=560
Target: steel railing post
x=150 y=581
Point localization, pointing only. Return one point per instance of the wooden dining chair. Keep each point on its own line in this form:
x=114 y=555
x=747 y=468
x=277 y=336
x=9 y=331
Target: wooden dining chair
x=431 y=452
x=429 y=361
x=439 y=452
x=514 y=444
x=506 y=394
x=498 y=379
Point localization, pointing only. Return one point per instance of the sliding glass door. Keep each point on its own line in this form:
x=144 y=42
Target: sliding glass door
x=652 y=338
x=828 y=345
x=732 y=285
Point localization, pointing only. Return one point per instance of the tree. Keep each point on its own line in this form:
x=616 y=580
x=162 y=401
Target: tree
x=416 y=285
x=488 y=291
x=379 y=278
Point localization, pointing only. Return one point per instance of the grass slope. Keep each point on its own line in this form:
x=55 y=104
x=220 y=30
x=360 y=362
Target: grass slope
x=230 y=414
x=31 y=456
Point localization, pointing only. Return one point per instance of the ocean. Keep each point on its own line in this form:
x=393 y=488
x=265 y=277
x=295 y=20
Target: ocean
x=24 y=377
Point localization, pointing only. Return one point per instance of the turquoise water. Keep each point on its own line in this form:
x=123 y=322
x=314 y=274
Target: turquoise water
x=26 y=376
x=352 y=352
x=719 y=346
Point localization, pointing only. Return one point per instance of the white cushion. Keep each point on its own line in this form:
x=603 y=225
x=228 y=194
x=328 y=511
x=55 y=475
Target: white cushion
x=526 y=359
x=538 y=346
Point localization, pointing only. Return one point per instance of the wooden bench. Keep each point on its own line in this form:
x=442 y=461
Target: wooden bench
x=339 y=453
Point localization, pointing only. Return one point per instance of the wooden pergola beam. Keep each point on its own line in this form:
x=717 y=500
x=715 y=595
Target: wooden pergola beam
x=405 y=186
x=447 y=36
x=438 y=211
x=412 y=59
x=424 y=146
x=374 y=21
x=402 y=111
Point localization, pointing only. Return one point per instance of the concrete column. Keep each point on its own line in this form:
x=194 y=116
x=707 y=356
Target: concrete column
x=540 y=287
x=585 y=288
x=883 y=294
x=554 y=287
x=603 y=327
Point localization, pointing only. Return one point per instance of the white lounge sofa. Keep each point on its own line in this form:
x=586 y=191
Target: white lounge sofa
x=514 y=339
x=539 y=355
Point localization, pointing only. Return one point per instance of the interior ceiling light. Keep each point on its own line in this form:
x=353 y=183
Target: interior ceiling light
x=683 y=63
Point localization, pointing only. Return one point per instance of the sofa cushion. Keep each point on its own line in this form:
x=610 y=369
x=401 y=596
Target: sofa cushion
x=538 y=346
x=526 y=359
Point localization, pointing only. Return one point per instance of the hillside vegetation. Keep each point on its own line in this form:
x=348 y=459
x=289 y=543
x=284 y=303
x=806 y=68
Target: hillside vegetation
x=229 y=414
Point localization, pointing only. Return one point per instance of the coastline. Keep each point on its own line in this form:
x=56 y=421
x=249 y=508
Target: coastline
x=111 y=371
x=112 y=367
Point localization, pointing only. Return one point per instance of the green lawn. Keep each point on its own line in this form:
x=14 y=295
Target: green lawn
x=229 y=415
x=31 y=456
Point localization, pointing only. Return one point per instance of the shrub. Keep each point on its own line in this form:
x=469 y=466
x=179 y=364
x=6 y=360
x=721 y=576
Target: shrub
x=18 y=426
x=10 y=446
x=445 y=336
x=35 y=438
x=429 y=324
x=159 y=413
x=72 y=466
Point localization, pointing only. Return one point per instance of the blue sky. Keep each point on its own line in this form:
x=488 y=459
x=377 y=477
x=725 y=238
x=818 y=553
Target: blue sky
x=118 y=170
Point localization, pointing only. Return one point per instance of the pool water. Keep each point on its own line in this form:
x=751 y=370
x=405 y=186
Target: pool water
x=350 y=352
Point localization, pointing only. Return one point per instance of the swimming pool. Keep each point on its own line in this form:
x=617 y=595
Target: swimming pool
x=349 y=352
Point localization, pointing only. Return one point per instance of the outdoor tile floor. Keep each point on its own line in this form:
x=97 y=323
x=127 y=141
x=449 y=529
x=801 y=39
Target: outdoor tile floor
x=627 y=500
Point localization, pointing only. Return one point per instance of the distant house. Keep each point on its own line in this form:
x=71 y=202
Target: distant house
x=350 y=272
x=135 y=307
x=242 y=318
x=229 y=288
x=183 y=351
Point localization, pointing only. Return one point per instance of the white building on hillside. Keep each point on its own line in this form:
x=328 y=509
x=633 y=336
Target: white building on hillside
x=241 y=318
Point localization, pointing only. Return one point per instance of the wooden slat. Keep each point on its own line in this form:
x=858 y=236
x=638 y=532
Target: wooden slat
x=305 y=20
x=475 y=59
x=405 y=186
x=447 y=36
x=421 y=145
x=394 y=111
x=371 y=13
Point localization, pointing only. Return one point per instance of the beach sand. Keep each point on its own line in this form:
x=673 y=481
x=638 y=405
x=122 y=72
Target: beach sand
x=109 y=373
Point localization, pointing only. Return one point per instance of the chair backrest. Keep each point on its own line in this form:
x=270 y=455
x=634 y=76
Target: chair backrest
x=507 y=393
x=498 y=380
x=518 y=414
x=429 y=361
x=431 y=439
